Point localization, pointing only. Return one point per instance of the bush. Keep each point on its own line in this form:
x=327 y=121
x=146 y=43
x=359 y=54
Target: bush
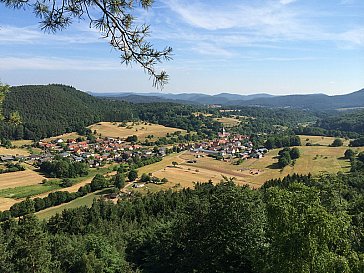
x=337 y=143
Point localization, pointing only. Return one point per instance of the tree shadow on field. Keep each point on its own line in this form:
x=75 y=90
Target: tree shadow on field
x=274 y=166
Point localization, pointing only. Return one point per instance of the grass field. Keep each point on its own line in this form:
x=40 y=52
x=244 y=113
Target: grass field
x=254 y=172
x=15 y=151
x=72 y=135
x=141 y=130
x=228 y=122
x=19 y=143
x=28 y=191
x=321 y=140
x=18 y=179
x=6 y=203
x=83 y=201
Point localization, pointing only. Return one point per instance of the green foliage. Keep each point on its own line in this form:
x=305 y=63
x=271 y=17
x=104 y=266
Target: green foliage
x=349 y=154
x=357 y=142
x=64 y=168
x=337 y=143
x=119 y=181
x=349 y=122
x=132 y=175
x=132 y=138
x=98 y=182
x=282 y=141
x=304 y=235
x=299 y=224
x=145 y=178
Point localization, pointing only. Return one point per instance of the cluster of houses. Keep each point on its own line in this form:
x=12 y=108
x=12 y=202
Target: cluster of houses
x=232 y=145
x=103 y=150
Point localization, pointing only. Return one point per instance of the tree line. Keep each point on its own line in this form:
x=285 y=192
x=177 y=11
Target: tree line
x=297 y=224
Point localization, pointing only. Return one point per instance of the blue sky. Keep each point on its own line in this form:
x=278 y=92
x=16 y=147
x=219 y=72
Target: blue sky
x=236 y=46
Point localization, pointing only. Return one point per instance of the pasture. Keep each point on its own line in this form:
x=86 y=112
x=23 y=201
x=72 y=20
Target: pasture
x=82 y=201
x=320 y=140
x=66 y=136
x=140 y=129
x=228 y=122
x=18 y=179
x=19 y=143
x=254 y=172
x=13 y=151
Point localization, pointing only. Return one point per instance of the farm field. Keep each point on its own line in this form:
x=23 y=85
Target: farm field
x=15 y=151
x=19 y=143
x=254 y=172
x=320 y=140
x=28 y=185
x=18 y=179
x=228 y=122
x=66 y=136
x=141 y=130
x=82 y=201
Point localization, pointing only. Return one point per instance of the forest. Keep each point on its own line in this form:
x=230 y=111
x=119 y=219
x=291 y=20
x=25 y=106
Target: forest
x=64 y=109
x=296 y=224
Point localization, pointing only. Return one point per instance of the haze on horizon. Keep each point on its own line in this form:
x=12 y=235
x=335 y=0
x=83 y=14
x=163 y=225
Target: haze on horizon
x=235 y=46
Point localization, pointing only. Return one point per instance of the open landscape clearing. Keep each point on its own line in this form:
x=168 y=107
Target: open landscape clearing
x=140 y=129
x=67 y=136
x=19 y=143
x=320 y=140
x=18 y=179
x=83 y=201
x=15 y=151
x=228 y=122
x=254 y=172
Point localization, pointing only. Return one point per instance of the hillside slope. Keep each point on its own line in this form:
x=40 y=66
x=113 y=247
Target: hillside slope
x=56 y=109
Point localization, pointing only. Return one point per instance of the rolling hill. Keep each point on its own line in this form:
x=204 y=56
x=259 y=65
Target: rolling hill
x=310 y=101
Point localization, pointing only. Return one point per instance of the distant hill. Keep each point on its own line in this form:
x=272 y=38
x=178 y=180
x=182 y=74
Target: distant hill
x=48 y=110
x=311 y=101
x=185 y=98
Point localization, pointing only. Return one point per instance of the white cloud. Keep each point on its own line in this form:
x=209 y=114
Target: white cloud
x=212 y=50
x=354 y=36
x=286 y=2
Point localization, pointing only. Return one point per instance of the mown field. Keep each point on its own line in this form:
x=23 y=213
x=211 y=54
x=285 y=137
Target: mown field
x=67 y=136
x=83 y=201
x=14 y=151
x=254 y=172
x=140 y=129
x=228 y=122
x=16 y=186
x=21 y=178
x=321 y=140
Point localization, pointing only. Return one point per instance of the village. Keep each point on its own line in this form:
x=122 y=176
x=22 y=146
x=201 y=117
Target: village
x=105 y=150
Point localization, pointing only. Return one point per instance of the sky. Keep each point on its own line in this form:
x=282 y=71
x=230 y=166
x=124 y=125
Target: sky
x=236 y=46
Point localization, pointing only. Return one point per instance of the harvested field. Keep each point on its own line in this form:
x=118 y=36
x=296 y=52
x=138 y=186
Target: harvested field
x=140 y=129
x=320 y=140
x=228 y=122
x=18 y=179
x=15 y=151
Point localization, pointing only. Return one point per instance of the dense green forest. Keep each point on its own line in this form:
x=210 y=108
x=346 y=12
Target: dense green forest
x=349 y=122
x=34 y=112
x=296 y=225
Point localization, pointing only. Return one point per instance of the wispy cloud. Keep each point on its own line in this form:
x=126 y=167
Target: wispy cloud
x=42 y=63
x=32 y=35
x=244 y=23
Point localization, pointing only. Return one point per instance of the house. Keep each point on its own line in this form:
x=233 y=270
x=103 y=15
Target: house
x=5 y=158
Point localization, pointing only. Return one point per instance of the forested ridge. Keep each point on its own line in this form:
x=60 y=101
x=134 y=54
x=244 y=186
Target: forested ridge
x=38 y=111
x=55 y=109
x=296 y=225
x=350 y=122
